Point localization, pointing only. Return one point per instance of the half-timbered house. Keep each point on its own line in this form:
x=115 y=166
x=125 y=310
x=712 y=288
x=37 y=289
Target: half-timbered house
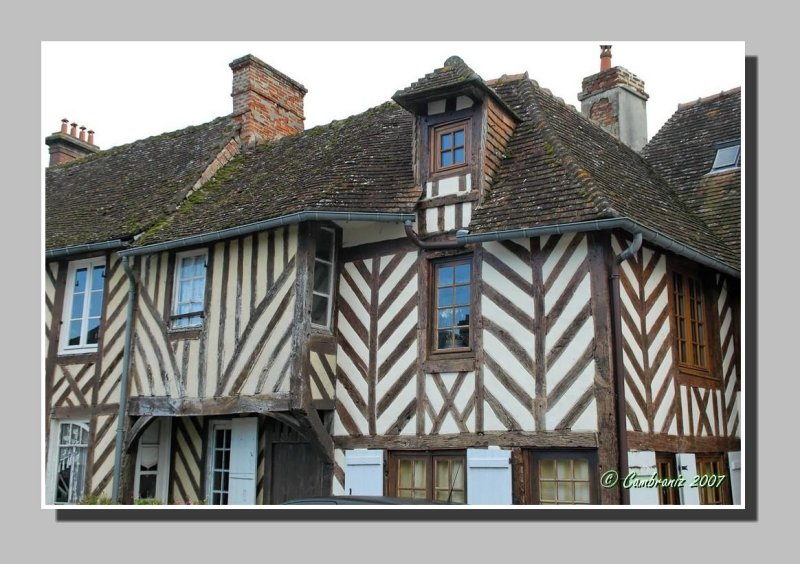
x=471 y=293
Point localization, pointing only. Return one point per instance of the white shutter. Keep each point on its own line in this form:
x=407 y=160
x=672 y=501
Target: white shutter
x=643 y=462
x=244 y=448
x=687 y=467
x=735 y=469
x=488 y=476
x=363 y=472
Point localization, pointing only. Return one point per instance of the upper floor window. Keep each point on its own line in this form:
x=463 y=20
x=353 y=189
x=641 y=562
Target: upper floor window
x=728 y=156
x=83 y=305
x=452 y=304
x=190 y=286
x=689 y=311
x=450 y=145
x=322 y=293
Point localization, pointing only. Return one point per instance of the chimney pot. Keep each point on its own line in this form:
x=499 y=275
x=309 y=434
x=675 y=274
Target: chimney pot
x=91 y=137
x=605 y=57
x=64 y=123
x=83 y=133
x=73 y=129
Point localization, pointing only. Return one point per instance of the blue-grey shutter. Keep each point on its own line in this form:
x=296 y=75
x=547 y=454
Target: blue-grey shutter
x=643 y=462
x=363 y=472
x=488 y=476
x=735 y=469
x=244 y=449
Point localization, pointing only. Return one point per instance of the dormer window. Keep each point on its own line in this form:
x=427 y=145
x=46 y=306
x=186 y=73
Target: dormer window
x=728 y=156
x=450 y=146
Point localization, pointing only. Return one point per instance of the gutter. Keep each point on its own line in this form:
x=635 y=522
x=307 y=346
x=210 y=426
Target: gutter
x=650 y=235
x=619 y=373
x=78 y=249
x=123 y=385
x=438 y=245
x=270 y=224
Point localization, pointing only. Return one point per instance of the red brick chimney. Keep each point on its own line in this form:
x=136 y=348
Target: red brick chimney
x=615 y=99
x=66 y=147
x=267 y=104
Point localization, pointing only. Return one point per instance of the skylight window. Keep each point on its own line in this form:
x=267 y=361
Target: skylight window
x=728 y=156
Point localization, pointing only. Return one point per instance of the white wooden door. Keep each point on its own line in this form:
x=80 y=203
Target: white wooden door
x=244 y=452
x=363 y=472
x=488 y=476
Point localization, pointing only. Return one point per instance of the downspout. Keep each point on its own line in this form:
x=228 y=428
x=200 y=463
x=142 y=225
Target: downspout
x=454 y=244
x=123 y=391
x=619 y=373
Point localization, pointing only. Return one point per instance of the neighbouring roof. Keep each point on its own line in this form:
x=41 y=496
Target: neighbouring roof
x=683 y=151
x=362 y=163
x=562 y=168
x=118 y=193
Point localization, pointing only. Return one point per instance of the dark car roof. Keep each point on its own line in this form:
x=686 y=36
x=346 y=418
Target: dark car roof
x=363 y=500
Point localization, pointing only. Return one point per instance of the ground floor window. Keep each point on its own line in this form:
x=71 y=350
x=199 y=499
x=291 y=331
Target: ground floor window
x=666 y=468
x=563 y=477
x=713 y=479
x=438 y=476
x=70 y=461
x=152 y=461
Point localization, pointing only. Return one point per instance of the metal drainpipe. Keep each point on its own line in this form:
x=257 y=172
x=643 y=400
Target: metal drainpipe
x=619 y=373
x=455 y=244
x=123 y=392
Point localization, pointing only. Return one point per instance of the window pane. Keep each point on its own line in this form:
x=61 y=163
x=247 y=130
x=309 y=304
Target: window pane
x=457 y=478
x=97 y=277
x=96 y=304
x=93 y=332
x=547 y=491
x=325 y=245
x=461 y=338
x=462 y=273
x=442 y=474
x=459 y=138
x=582 y=492
x=581 y=468
x=319 y=310
x=462 y=295
x=185 y=291
x=447 y=158
x=80 y=280
x=458 y=156
x=565 y=491
x=445 y=340
x=726 y=157
x=445 y=297
x=404 y=473
x=445 y=318
x=147 y=485
x=77 y=305
x=564 y=469
x=322 y=277
x=419 y=475
x=198 y=289
x=75 y=332
x=447 y=141
x=547 y=469
x=445 y=275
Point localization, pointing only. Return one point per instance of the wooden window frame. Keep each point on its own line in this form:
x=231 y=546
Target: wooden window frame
x=690 y=372
x=429 y=456
x=329 y=326
x=532 y=459
x=433 y=333
x=69 y=294
x=725 y=488
x=55 y=450
x=176 y=280
x=667 y=495
x=436 y=132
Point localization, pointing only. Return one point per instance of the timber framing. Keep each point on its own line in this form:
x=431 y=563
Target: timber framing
x=173 y=407
x=544 y=439
x=661 y=442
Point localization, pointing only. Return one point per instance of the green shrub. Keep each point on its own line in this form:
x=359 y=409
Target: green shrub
x=147 y=501
x=97 y=500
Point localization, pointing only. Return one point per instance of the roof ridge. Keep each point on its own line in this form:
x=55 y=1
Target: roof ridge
x=570 y=162
x=710 y=98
